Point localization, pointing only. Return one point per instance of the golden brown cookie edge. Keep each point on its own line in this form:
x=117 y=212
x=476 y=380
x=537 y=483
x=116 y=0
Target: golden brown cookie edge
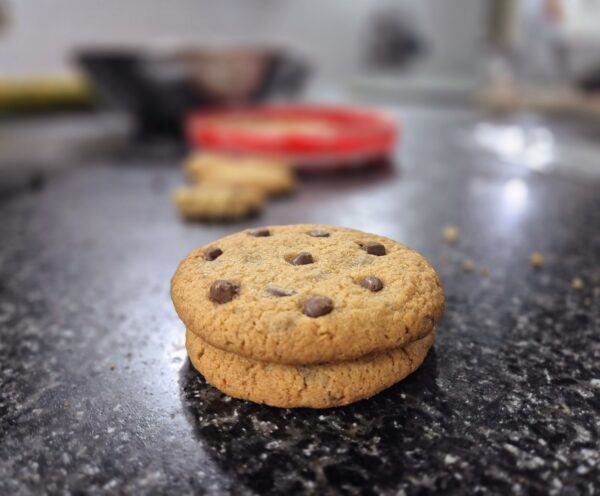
x=316 y=386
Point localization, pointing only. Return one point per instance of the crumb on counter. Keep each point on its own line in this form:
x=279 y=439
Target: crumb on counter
x=537 y=260
x=484 y=272
x=468 y=265
x=451 y=234
x=577 y=283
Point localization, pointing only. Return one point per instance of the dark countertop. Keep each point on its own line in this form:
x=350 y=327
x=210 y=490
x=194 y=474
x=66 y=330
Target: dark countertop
x=97 y=397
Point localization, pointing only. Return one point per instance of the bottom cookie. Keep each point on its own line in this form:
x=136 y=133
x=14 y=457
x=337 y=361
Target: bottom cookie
x=218 y=202
x=313 y=386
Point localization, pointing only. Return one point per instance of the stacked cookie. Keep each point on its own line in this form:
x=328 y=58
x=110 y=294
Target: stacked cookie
x=228 y=187
x=306 y=315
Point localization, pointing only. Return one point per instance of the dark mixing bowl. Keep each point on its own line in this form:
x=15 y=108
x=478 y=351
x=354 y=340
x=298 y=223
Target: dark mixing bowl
x=159 y=89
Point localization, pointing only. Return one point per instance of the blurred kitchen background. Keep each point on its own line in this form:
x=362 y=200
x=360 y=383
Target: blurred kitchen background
x=79 y=78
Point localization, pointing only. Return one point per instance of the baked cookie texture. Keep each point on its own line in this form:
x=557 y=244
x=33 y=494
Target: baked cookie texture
x=313 y=386
x=253 y=322
x=218 y=202
x=271 y=176
x=306 y=315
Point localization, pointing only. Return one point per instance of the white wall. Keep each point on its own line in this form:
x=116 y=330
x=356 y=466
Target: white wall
x=43 y=32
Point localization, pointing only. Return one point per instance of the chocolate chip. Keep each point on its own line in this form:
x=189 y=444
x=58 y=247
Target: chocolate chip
x=303 y=258
x=318 y=306
x=373 y=248
x=372 y=283
x=212 y=254
x=223 y=291
x=319 y=234
x=280 y=292
x=260 y=232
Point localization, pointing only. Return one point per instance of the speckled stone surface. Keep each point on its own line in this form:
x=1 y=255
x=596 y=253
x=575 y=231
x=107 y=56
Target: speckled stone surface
x=97 y=396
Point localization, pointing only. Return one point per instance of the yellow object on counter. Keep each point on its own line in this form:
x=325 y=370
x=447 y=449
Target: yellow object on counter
x=43 y=93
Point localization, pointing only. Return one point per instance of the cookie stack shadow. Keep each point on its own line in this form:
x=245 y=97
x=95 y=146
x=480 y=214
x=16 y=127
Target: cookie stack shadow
x=228 y=187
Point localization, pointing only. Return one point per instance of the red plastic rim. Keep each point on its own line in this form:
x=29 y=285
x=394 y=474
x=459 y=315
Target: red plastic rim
x=353 y=134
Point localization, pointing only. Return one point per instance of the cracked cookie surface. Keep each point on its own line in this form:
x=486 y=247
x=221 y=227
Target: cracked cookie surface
x=356 y=294
x=313 y=386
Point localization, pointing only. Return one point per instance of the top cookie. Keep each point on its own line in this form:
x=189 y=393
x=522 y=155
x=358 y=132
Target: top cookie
x=305 y=294
x=271 y=176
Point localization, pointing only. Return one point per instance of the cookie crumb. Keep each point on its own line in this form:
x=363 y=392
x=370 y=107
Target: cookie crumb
x=484 y=272
x=468 y=265
x=537 y=260
x=577 y=283
x=451 y=234
x=113 y=367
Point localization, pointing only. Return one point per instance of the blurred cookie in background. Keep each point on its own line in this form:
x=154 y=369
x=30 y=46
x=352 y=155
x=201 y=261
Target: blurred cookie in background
x=218 y=202
x=273 y=177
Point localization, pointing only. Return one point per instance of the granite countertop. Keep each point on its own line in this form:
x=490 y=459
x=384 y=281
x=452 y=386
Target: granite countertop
x=97 y=396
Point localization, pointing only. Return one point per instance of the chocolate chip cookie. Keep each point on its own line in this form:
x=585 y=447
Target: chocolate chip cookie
x=314 y=386
x=270 y=176
x=306 y=294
